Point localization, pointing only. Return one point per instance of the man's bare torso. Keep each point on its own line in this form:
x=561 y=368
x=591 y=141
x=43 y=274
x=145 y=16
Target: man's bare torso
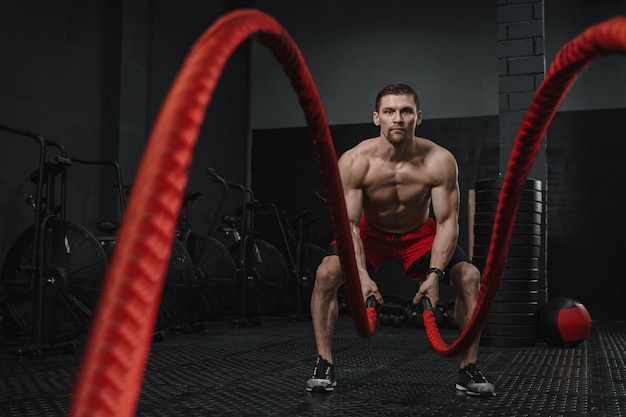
x=396 y=189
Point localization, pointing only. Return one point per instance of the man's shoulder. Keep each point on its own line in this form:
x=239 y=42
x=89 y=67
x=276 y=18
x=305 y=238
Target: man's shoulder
x=432 y=146
x=427 y=142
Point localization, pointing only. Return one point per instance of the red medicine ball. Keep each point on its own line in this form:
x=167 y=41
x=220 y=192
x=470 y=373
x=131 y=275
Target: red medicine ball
x=564 y=322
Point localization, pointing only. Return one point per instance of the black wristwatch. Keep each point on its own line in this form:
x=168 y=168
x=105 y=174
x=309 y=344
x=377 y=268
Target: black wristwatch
x=437 y=271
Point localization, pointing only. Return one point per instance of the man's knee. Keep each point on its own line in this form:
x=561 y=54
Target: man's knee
x=328 y=275
x=466 y=276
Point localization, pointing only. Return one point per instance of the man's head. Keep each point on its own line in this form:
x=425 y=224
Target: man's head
x=396 y=90
x=397 y=113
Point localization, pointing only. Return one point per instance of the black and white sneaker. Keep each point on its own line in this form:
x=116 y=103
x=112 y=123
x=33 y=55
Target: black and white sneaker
x=323 y=379
x=473 y=382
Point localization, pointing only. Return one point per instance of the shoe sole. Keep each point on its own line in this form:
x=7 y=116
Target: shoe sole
x=473 y=393
x=322 y=387
x=322 y=390
x=481 y=394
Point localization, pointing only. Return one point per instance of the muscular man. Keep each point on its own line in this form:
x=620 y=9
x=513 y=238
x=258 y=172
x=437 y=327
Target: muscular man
x=389 y=183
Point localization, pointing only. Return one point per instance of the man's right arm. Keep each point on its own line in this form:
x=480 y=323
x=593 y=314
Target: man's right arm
x=353 y=169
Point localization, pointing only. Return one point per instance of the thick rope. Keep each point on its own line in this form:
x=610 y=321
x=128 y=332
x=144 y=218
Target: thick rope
x=110 y=377
x=605 y=38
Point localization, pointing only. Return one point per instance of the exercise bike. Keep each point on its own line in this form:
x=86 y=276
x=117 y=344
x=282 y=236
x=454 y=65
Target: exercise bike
x=262 y=272
x=302 y=257
x=52 y=274
x=214 y=281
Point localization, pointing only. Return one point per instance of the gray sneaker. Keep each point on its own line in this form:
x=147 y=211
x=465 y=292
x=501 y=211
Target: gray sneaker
x=473 y=382
x=323 y=379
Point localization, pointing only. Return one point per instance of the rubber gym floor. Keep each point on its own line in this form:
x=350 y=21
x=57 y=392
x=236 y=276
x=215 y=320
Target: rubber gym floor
x=261 y=370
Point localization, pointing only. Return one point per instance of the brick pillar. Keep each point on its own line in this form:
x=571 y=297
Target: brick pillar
x=521 y=68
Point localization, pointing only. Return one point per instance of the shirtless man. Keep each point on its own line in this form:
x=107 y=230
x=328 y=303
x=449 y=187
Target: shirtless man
x=389 y=183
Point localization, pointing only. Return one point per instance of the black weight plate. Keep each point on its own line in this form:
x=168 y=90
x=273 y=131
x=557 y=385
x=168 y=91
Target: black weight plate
x=528 y=284
x=494 y=195
x=511 y=262
x=520 y=273
x=516 y=296
x=531 y=251
x=525 y=319
x=512 y=250
x=516 y=308
x=507 y=341
x=517 y=330
x=524 y=217
x=516 y=276
x=520 y=285
x=524 y=206
x=496 y=183
x=510 y=272
x=518 y=229
x=517 y=240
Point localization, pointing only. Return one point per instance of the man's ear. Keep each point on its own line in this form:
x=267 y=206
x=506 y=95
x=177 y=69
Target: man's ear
x=376 y=119
x=418 y=120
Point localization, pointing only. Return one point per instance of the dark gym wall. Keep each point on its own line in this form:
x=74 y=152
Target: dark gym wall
x=446 y=50
x=52 y=82
x=582 y=246
x=585 y=154
x=92 y=76
x=352 y=51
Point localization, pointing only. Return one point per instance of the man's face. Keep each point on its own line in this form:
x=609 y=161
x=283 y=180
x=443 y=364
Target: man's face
x=397 y=118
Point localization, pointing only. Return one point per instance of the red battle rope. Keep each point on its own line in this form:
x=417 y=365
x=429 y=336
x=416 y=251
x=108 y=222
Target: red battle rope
x=110 y=377
x=608 y=37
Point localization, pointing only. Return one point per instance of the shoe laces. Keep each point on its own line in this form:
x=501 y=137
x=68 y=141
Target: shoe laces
x=475 y=373
x=322 y=368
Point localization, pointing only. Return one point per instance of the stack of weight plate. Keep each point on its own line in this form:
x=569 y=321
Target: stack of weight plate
x=513 y=317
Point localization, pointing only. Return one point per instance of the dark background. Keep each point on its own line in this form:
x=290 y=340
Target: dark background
x=93 y=76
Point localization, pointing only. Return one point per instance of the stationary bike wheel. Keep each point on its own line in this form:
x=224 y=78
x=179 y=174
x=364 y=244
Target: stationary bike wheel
x=215 y=280
x=10 y=328
x=267 y=278
x=173 y=307
x=74 y=266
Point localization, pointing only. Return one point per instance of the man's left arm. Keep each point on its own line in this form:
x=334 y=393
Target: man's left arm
x=445 y=202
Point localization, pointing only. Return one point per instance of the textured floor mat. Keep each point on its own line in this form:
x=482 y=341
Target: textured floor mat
x=262 y=371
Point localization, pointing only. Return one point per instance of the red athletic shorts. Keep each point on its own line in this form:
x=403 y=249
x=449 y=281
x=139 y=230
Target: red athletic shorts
x=405 y=248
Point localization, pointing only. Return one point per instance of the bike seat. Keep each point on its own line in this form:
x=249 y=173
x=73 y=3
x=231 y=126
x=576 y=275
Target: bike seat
x=52 y=167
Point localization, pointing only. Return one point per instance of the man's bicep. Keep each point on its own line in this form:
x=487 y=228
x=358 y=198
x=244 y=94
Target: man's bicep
x=350 y=169
x=442 y=202
x=445 y=197
x=354 y=204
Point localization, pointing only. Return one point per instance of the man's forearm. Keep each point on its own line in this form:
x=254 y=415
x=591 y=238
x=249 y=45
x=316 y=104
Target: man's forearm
x=444 y=244
x=359 y=251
